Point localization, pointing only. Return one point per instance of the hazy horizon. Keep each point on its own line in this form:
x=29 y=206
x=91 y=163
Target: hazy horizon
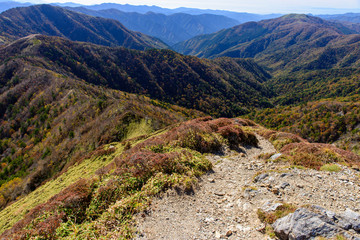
x=251 y=6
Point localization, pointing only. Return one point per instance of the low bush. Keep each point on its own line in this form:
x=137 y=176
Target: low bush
x=169 y=159
x=272 y=216
x=316 y=155
x=330 y=168
x=42 y=221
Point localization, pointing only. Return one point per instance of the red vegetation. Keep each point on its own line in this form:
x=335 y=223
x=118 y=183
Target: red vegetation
x=43 y=220
x=145 y=163
x=133 y=168
x=203 y=135
x=315 y=155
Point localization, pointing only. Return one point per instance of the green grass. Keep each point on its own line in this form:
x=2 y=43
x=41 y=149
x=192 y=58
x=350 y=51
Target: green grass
x=16 y=211
x=139 y=128
x=271 y=217
x=330 y=168
x=87 y=168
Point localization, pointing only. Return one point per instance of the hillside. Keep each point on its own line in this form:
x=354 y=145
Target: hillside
x=171 y=29
x=56 y=21
x=326 y=121
x=203 y=169
x=53 y=91
x=48 y=120
x=286 y=44
x=221 y=87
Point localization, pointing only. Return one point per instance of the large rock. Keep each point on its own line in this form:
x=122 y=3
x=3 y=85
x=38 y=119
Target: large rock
x=350 y=219
x=308 y=223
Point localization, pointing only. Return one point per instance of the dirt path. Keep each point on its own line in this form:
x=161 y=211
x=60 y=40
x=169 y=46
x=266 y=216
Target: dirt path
x=226 y=202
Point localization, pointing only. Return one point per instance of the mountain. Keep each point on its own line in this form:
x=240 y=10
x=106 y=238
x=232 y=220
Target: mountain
x=286 y=44
x=221 y=87
x=171 y=29
x=5 y=5
x=51 y=119
x=241 y=17
x=56 y=21
x=54 y=91
x=346 y=17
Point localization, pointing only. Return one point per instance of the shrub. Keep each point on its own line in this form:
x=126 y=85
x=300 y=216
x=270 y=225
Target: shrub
x=330 y=168
x=315 y=155
x=271 y=217
x=42 y=221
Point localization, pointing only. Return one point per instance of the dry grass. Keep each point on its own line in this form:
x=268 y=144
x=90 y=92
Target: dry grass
x=316 y=155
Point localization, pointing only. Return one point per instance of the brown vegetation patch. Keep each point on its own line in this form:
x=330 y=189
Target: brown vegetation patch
x=43 y=220
x=279 y=139
x=205 y=135
x=315 y=155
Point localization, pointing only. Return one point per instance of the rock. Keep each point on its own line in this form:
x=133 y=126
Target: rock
x=219 y=193
x=303 y=224
x=316 y=221
x=260 y=177
x=211 y=180
x=275 y=156
x=275 y=191
x=217 y=234
x=269 y=207
x=284 y=185
x=261 y=228
x=343 y=178
x=249 y=193
x=285 y=175
x=351 y=218
x=228 y=233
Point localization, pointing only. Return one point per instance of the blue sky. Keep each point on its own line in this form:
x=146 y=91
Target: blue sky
x=255 y=6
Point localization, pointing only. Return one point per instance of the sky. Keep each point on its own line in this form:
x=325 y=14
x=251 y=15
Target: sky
x=253 y=6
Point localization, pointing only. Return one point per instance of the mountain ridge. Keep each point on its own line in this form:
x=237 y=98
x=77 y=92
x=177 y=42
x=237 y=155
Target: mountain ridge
x=266 y=40
x=158 y=73
x=51 y=20
x=171 y=28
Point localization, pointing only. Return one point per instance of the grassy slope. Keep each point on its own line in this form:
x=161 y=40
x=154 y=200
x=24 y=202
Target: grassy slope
x=82 y=170
x=48 y=120
x=16 y=211
x=182 y=143
x=102 y=206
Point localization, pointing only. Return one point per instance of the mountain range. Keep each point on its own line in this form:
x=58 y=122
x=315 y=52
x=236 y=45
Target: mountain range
x=289 y=43
x=56 y=21
x=171 y=29
x=93 y=119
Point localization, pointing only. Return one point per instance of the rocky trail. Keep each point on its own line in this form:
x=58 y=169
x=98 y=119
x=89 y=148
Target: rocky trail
x=226 y=201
